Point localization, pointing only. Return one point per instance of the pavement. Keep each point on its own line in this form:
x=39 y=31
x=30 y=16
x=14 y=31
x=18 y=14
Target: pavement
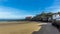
x=47 y=28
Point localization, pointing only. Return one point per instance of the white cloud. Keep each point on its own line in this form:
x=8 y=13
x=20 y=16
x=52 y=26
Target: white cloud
x=3 y=0
x=55 y=7
x=7 y=13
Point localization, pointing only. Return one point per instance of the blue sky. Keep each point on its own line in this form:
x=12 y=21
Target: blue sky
x=15 y=9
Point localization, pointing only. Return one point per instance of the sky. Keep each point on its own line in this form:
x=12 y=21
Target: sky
x=18 y=9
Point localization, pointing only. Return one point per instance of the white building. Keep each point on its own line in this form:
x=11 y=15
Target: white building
x=55 y=15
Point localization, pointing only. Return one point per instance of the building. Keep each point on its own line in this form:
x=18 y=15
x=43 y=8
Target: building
x=28 y=18
x=55 y=15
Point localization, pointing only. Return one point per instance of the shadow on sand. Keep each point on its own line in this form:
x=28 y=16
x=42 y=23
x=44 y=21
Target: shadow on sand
x=40 y=31
x=46 y=29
